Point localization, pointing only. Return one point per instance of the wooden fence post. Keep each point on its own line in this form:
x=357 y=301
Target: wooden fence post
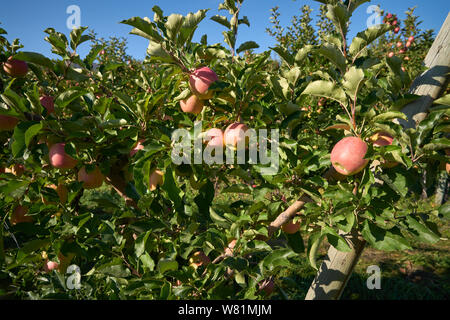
x=337 y=267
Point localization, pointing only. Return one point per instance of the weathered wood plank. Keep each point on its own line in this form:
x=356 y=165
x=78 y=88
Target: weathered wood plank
x=433 y=81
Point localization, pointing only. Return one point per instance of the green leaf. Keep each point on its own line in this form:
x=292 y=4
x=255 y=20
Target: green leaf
x=334 y=55
x=314 y=242
x=354 y=4
x=139 y=245
x=444 y=210
x=353 y=80
x=339 y=15
x=13 y=100
x=155 y=49
x=77 y=37
x=389 y=116
x=327 y=89
x=295 y=241
x=437 y=144
x=423 y=233
x=147 y=261
x=218 y=220
x=247 y=46
x=18 y=146
x=144 y=28
x=114 y=269
x=171 y=188
x=425 y=127
x=386 y=240
x=397 y=182
x=284 y=54
x=278 y=258
x=302 y=54
x=173 y=25
x=365 y=38
x=244 y=20
x=31 y=132
x=222 y=20
x=35 y=58
x=335 y=239
x=279 y=86
x=445 y=100
x=165 y=265
x=65 y=98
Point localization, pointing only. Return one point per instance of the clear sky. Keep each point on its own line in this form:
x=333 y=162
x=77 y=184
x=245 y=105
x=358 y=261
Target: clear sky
x=27 y=20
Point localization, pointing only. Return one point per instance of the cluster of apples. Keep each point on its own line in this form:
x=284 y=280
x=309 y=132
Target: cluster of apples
x=59 y=159
x=200 y=81
x=347 y=156
x=403 y=47
x=392 y=20
x=17 y=69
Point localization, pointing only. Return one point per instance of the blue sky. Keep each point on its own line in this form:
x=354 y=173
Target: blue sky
x=28 y=19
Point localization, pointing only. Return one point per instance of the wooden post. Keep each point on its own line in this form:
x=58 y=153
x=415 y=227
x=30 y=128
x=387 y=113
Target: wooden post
x=430 y=84
x=337 y=267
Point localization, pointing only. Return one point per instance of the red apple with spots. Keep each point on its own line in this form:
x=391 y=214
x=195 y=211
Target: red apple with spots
x=201 y=79
x=8 y=123
x=192 y=105
x=59 y=158
x=234 y=134
x=15 y=68
x=91 y=179
x=48 y=103
x=347 y=156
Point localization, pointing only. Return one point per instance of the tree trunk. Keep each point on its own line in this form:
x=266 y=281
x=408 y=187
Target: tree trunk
x=337 y=267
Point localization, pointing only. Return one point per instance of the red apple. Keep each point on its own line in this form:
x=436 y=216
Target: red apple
x=389 y=15
x=397 y=30
x=48 y=103
x=234 y=134
x=267 y=286
x=382 y=139
x=390 y=54
x=15 y=68
x=19 y=215
x=399 y=44
x=50 y=266
x=411 y=39
x=156 y=178
x=215 y=138
x=62 y=192
x=18 y=169
x=229 y=250
x=348 y=154
x=201 y=79
x=8 y=123
x=91 y=180
x=408 y=44
x=199 y=259
x=59 y=158
x=137 y=147
x=192 y=105
x=290 y=227
x=64 y=261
